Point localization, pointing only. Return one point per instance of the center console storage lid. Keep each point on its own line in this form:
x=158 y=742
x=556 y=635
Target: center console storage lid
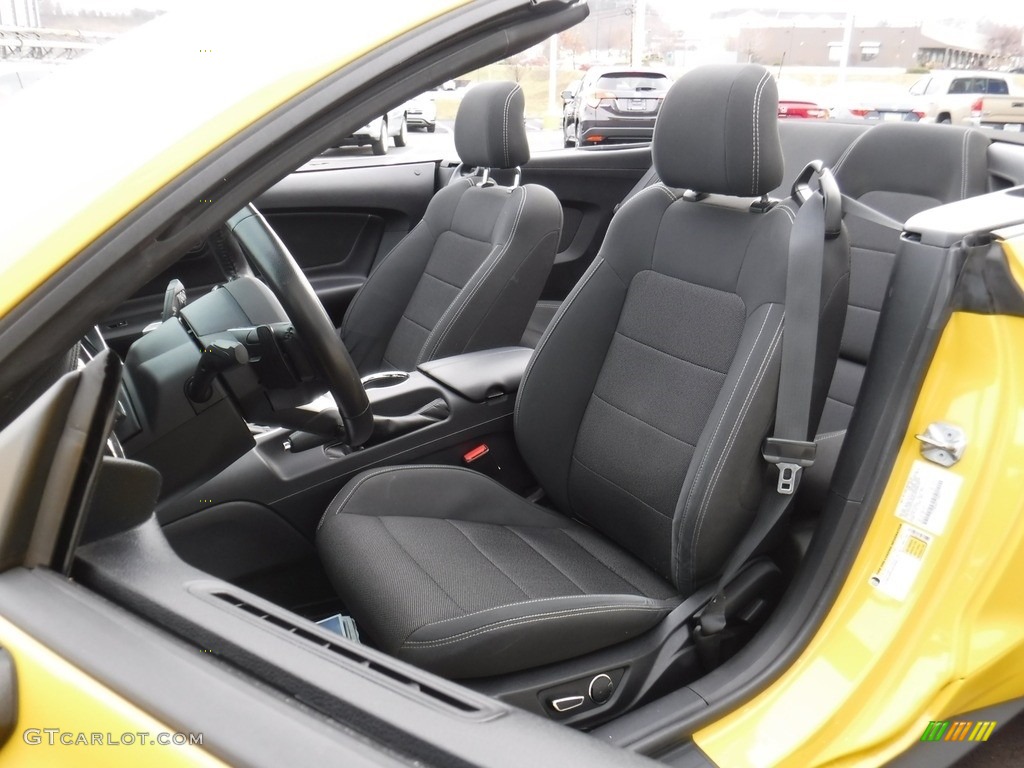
x=482 y=375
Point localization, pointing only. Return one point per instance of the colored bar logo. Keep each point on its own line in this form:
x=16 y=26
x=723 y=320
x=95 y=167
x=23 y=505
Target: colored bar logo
x=958 y=730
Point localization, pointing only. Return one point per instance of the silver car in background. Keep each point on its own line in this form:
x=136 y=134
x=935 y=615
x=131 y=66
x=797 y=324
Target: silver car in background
x=614 y=104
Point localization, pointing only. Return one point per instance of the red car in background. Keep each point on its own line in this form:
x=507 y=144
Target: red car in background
x=789 y=108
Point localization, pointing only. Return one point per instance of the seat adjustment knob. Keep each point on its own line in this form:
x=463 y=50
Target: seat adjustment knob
x=601 y=689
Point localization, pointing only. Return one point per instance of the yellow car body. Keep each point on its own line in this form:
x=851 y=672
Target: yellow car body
x=139 y=112
x=877 y=671
x=881 y=668
x=221 y=77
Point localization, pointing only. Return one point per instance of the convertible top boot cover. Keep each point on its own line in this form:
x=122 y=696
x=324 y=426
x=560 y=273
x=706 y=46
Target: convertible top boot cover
x=469 y=275
x=641 y=414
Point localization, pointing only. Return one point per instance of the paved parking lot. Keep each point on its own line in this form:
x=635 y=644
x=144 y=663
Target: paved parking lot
x=1004 y=749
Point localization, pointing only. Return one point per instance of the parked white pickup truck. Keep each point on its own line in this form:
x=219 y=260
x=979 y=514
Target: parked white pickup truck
x=956 y=96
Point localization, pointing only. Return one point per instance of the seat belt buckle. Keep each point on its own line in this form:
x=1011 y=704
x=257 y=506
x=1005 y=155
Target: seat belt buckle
x=789 y=476
x=791 y=457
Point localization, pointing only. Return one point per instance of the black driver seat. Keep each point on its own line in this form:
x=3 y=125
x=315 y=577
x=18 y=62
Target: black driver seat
x=468 y=276
x=641 y=414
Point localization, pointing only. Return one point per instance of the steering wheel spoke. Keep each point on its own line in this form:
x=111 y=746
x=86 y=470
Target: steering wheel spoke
x=326 y=350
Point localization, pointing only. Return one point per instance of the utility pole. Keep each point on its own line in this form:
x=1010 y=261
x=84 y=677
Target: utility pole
x=844 y=61
x=554 y=110
x=639 y=36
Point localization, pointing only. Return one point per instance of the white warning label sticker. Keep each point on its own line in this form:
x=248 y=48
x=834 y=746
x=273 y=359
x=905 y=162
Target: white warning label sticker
x=928 y=497
x=902 y=562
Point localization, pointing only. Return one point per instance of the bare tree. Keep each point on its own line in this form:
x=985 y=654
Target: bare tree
x=516 y=65
x=572 y=40
x=1005 y=43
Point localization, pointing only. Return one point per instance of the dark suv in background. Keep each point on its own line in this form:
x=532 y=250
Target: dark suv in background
x=613 y=105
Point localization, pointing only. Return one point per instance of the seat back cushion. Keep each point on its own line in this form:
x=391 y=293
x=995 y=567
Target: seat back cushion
x=466 y=278
x=644 y=408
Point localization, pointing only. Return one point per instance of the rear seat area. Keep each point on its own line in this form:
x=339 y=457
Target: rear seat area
x=897 y=169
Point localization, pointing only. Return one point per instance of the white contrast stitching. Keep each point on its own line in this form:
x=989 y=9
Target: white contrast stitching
x=521 y=602
x=717 y=473
x=508 y=623
x=576 y=291
x=508 y=102
x=829 y=435
x=345 y=321
x=788 y=211
x=559 y=314
x=756 y=125
x=458 y=308
x=671 y=195
x=846 y=153
x=704 y=458
x=376 y=473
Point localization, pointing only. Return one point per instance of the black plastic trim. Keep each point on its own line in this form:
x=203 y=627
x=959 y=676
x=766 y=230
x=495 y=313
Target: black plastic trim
x=986 y=286
x=137 y=569
x=481 y=375
x=350 y=651
x=242 y=723
x=8 y=696
x=299 y=486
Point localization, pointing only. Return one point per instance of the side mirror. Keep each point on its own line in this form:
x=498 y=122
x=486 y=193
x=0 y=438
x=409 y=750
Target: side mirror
x=567 y=95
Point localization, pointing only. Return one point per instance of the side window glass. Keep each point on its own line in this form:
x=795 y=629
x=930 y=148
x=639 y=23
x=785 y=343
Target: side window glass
x=998 y=87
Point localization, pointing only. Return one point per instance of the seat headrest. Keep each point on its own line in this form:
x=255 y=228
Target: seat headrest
x=718 y=132
x=942 y=162
x=489 y=128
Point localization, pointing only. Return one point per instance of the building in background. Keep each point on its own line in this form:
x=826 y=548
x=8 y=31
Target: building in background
x=19 y=13
x=906 y=47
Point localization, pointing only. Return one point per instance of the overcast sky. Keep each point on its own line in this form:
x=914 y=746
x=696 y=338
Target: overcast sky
x=680 y=12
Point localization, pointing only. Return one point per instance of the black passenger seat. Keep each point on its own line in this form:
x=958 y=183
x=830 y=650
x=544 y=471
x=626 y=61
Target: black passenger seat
x=897 y=169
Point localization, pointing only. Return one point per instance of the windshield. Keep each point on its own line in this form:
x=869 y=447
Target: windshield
x=841 y=59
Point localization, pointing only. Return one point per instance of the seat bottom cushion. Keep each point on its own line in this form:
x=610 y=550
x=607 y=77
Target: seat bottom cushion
x=450 y=571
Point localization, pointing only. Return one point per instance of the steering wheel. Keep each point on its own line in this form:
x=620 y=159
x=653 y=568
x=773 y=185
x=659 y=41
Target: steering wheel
x=304 y=309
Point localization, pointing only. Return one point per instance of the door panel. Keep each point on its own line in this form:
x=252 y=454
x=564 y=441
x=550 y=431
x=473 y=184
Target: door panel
x=338 y=221
x=334 y=249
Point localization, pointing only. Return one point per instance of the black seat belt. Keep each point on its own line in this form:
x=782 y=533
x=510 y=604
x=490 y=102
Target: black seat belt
x=790 y=448
x=861 y=211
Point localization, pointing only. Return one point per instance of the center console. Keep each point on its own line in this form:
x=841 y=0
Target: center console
x=260 y=514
